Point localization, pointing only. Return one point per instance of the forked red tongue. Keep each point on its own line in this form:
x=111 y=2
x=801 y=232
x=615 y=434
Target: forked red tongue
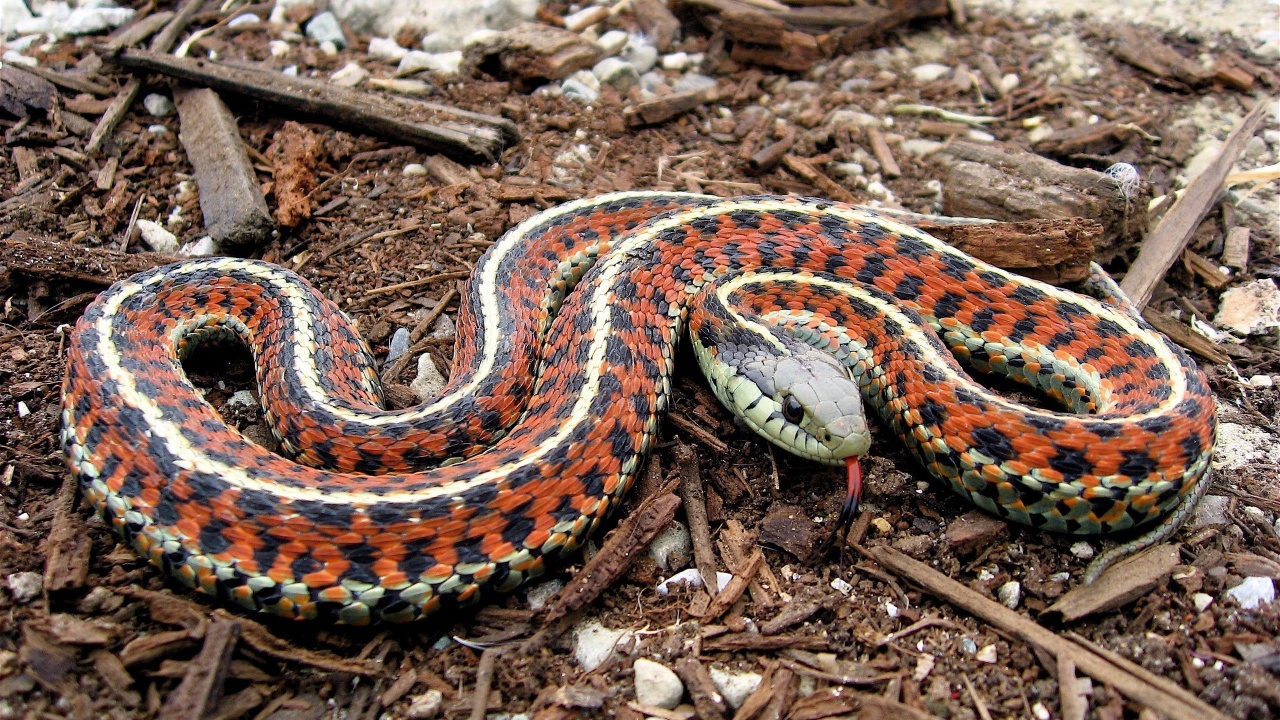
x=853 y=495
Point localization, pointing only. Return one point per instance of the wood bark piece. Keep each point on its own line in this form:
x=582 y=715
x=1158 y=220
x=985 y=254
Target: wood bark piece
x=620 y=549
x=743 y=642
x=1054 y=251
x=657 y=22
x=733 y=590
x=695 y=511
x=706 y=699
x=463 y=134
x=805 y=169
x=1128 y=581
x=201 y=687
x=1185 y=336
x=67 y=565
x=533 y=51
x=1143 y=50
x=652 y=112
x=1181 y=705
x=1100 y=139
x=1177 y=226
x=1005 y=183
x=28 y=258
x=235 y=213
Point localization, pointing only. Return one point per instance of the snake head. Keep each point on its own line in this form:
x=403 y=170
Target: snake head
x=801 y=399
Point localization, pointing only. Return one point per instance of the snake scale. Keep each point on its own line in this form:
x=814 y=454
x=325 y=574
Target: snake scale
x=562 y=371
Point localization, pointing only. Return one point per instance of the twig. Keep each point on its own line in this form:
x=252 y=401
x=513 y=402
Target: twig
x=201 y=686
x=978 y=704
x=410 y=284
x=695 y=511
x=400 y=363
x=462 y=133
x=484 y=679
x=161 y=43
x=1135 y=686
x=1167 y=241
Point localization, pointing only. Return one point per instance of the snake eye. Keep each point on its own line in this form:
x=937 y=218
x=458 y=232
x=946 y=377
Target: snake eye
x=792 y=410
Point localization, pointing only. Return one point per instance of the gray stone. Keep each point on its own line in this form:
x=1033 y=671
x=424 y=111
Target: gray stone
x=399 y=344
x=656 y=684
x=326 y=28
x=615 y=72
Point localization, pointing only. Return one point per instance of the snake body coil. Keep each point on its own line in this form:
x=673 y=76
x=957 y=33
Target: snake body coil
x=565 y=351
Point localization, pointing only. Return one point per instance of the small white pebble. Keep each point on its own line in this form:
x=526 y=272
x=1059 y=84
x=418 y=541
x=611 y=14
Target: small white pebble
x=1202 y=601
x=1082 y=550
x=1262 y=381
x=278 y=48
x=23 y=410
x=987 y=654
x=540 y=594
x=243 y=398
x=414 y=170
x=290 y=71
x=656 y=684
x=1040 y=711
x=25 y=586
x=840 y=586
x=329 y=47
x=1010 y=594
x=243 y=20
x=891 y=610
x=158 y=105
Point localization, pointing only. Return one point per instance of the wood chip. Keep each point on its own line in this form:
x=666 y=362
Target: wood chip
x=695 y=511
x=888 y=166
x=1235 y=249
x=657 y=22
x=828 y=187
x=1175 y=229
x=1185 y=336
x=652 y=112
x=697 y=681
x=1123 y=584
x=235 y=213
x=535 y=51
x=1054 y=251
x=67 y=564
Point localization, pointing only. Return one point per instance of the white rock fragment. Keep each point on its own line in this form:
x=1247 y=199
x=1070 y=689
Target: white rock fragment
x=158 y=105
x=891 y=610
x=920 y=147
x=87 y=19
x=677 y=61
x=694 y=81
x=1202 y=601
x=582 y=85
x=1010 y=82
x=1010 y=594
x=428 y=381
x=25 y=586
x=12 y=12
x=980 y=136
x=924 y=665
x=617 y=73
x=349 y=75
x=613 y=41
x=1040 y=711
x=841 y=586
x=1039 y=133
x=425 y=706
x=13 y=57
x=157 y=237
x=986 y=655
x=1250 y=309
x=852 y=118
x=386 y=49
x=1254 y=591
x=671 y=541
x=657 y=684
x=594 y=643
x=540 y=594
x=244 y=20
x=1082 y=550
x=640 y=54
x=692 y=578
x=404 y=86
x=23 y=410
x=418 y=61
x=243 y=398
x=733 y=685
x=414 y=170
x=278 y=48
x=329 y=47
x=325 y=28
x=1237 y=445
x=1262 y=381
x=930 y=72
x=202 y=247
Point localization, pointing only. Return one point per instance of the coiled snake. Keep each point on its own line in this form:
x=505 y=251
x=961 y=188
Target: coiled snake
x=562 y=371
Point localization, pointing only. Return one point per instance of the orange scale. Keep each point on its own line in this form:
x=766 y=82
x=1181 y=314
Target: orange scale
x=242 y=553
x=280 y=574
x=469 y=593
x=327 y=580
x=537 y=538
x=188 y=528
x=327 y=554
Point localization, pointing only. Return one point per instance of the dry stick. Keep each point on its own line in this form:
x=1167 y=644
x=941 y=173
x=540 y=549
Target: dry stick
x=462 y=133
x=1166 y=242
x=161 y=43
x=685 y=424
x=695 y=511
x=67 y=564
x=1181 y=706
x=451 y=275
x=484 y=679
x=201 y=686
x=734 y=588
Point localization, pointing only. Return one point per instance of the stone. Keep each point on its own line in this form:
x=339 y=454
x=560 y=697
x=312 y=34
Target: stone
x=425 y=706
x=582 y=85
x=677 y=61
x=671 y=541
x=88 y=20
x=326 y=28
x=733 y=685
x=157 y=237
x=852 y=118
x=450 y=22
x=640 y=54
x=399 y=344
x=244 y=20
x=386 y=49
x=1254 y=591
x=613 y=41
x=202 y=247
x=446 y=63
x=429 y=381
x=692 y=578
x=974 y=530
x=930 y=72
x=920 y=147
x=349 y=75
x=540 y=594
x=1250 y=309
x=656 y=684
x=1082 y=550
x=14 y=57
x=12 y=12
x=694 y=81
x=25 y=586
x=617 y=73
x=594 y=643
x=1010 y=594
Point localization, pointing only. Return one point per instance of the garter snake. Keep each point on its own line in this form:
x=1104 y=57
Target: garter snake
x=562 y=372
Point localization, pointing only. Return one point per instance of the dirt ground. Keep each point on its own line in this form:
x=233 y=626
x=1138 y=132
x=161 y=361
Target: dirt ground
x=120 y=642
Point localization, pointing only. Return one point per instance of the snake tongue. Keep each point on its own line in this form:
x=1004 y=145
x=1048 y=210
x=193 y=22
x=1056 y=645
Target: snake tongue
x=853 y=495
